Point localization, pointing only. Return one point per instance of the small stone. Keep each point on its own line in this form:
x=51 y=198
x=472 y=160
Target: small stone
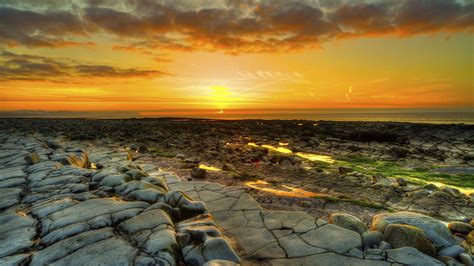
x=466 y=259
x=448 y=260
x=142 y=149
x=356 y=253
x=180 y=156
x=371 y=239
x=220 y=263
x=402 y=182
x=385 y=245
x=192 y=160
x=228 y=167
x=305 y=204
x=197 y=172
x=343 y=170
x=431 y=187
x=136 y=174
x=348 y=221
x=32 y=158
x=452 y=191
x=286 y=164
x=53 y=144
x=460 y=227
x=321 y=222
x=218 y=248
x=402 y=235
x=451 y=251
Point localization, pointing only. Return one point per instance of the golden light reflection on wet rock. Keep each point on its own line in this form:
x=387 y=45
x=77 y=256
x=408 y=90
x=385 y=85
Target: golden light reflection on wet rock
x=209 y=168
x=304 y=155
x=278 y=149
x=288 y=192
x=315 y=157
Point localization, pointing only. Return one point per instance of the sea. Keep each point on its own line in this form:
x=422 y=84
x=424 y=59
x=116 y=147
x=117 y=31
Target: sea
x=413 y=115
x=383 y=115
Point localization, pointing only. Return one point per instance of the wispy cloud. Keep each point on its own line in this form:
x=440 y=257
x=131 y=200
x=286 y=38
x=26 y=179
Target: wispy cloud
x=348 y=93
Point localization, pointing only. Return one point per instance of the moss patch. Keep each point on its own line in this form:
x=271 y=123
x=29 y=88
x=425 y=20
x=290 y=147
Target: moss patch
x=419 y=176
x=361 y=203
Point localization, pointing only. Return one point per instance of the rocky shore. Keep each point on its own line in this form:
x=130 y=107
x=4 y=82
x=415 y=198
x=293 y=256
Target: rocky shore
x=194 y=192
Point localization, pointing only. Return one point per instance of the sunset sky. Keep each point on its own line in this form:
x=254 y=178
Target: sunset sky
x=99 y=55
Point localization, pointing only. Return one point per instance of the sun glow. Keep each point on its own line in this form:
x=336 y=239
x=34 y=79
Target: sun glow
x=223 y=98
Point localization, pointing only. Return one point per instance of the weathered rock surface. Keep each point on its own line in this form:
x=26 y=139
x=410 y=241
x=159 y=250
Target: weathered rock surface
x=411 y=256
x=435 y=230
x=56 y=210
x=401 y=235
x=81 y=204
x=460 y=227
x=371 y=239
x=348 y=221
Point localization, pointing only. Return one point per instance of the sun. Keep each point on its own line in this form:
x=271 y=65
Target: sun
x=221 y=96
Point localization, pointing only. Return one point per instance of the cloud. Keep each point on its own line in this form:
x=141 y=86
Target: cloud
x=243 y=26
x=36 y=29
x=426 y=16
x=348 y=94
x=363 y=19
x=38 y=68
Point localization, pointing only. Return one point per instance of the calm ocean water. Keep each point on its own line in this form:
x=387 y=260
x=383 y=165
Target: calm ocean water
x=436 y=116
x=465 y=116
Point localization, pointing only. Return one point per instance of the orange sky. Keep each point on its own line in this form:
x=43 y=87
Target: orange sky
x=154 y=55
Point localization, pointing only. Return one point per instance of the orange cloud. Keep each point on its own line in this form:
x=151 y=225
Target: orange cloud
x=233 y=27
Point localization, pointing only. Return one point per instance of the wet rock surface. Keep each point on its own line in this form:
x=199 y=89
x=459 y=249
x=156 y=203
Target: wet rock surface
x=70 y=198
x=181 y=145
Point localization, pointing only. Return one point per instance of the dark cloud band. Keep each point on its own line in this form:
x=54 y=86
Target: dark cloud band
x=232 y=26
x=35 y=68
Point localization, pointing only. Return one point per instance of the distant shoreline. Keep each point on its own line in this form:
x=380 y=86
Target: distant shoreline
x=440 y=123
x=402 y=115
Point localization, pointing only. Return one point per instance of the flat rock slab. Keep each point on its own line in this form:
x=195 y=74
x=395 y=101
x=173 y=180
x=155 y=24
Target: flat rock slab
x=88 y=210
x=292 y=237
x=328 y=259
x=333 y=238
x=411 y=256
